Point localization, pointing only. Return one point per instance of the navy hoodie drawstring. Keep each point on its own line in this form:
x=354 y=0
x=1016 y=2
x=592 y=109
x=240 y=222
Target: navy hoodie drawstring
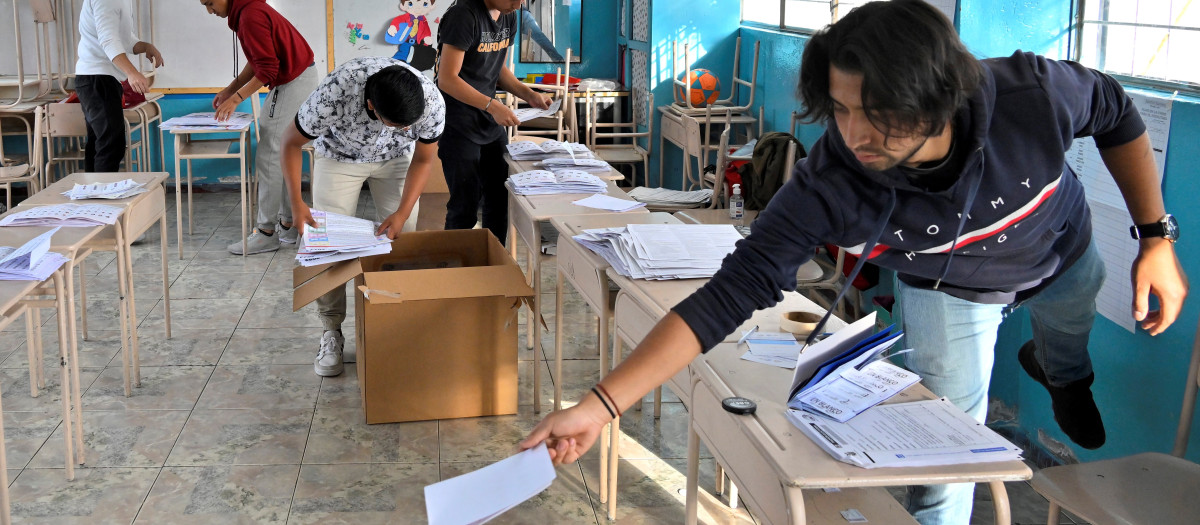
x=962 y=220
x=862 y=259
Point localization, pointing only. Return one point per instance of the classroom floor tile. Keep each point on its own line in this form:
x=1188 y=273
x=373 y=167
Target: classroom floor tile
x=230 y=424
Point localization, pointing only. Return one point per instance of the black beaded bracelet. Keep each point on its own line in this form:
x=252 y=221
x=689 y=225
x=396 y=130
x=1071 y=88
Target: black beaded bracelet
x=604 y=402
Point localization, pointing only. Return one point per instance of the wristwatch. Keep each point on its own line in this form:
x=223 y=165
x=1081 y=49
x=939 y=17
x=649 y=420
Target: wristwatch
x=1166 y=227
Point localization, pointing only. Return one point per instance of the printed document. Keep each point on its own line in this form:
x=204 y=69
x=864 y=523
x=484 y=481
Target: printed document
x=527 y=114
x=65 y=214
x=207 y=121
x=915 y=434
x=607 y=203
x=32 y=261
x=480 y=496
x=338 y=238
x=114 y=190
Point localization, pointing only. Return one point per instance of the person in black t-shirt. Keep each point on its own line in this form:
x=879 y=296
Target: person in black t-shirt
x=473 y=41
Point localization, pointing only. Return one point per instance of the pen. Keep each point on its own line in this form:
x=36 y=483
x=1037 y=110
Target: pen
x=747 y=335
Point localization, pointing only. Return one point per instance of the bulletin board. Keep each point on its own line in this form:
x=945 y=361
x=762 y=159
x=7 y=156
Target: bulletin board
x=202 y=55
x=359 y=28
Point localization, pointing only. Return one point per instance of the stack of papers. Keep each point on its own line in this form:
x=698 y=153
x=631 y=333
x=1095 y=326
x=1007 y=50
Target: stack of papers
x=338 y=238
x=32 y=261
x=207 y=121
x=607 y=203
x=114 y=190
x=662 y=251
x=526 y=150
x=665 y=197
x=841 y=377
x=527 y=114
x=557 y=164
x=917 y=434
x=66 y=214
x=479 y=496
x=542 y=182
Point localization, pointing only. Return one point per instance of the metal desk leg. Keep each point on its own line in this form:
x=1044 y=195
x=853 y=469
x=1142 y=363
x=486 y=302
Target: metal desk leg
x=5 y=512
x=35 y=359
x=529 y=322
x=242 y=176
x=64 y=355
x=135 y=359
x=178 y=200
x=123 y=310
x=73 y=349
x=83 y=297
x=190 y=207
x=39 y=347
x=558 y=340
x=538 y=358
x=1000 y=503
x=162 y=234
x=692 y=492
x=614 y=441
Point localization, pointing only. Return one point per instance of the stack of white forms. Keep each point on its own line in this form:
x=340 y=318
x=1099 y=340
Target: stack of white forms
x=338 y=238
x=32 y=261
x=480 y=496
x=663 y=251
x=541 y=182
x=915 y=434
x=528 y=114
x=557 y=164
x=665 y=197
x=65 y=214
x=527 y=150
x=207 y=121
x=113 y=190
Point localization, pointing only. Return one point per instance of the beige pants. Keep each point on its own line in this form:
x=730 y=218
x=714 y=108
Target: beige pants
x=335 y=188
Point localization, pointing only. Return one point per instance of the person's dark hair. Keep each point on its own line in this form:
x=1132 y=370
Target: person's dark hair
x=916 y=71
x=396 y=94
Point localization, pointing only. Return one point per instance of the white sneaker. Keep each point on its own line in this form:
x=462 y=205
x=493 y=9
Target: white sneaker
x=286 y=235
x=257 y=242
x=329 y=358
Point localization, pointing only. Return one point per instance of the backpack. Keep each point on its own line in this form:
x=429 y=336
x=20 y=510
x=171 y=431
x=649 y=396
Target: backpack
x=764 y=175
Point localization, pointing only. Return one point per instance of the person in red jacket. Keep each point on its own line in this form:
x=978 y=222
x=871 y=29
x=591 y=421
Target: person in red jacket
x=279 y=57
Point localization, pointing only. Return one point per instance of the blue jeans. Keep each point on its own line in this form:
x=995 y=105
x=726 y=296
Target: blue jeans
x=955 y=340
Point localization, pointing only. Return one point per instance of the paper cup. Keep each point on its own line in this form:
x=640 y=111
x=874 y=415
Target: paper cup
x=799 y=323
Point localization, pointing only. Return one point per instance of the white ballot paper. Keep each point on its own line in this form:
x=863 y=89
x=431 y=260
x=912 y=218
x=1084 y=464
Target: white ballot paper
x=607 y=203
x=771 y=348
x=480 y=496
x=207 y=121
x=114 y=190
x=916 y=434
x=65 y=214
x=32 y=261
x=338 y=238
x=527 y=114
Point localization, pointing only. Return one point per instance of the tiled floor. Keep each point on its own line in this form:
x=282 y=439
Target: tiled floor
x=231 y=425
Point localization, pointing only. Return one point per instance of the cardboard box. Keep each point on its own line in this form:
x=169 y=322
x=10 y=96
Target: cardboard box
x=436 y=324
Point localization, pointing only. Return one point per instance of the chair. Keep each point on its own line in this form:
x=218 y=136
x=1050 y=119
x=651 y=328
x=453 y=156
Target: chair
x=65 y=133
x=23 y=87
x=560 y=125
x=1147 y=488
x=612 y=150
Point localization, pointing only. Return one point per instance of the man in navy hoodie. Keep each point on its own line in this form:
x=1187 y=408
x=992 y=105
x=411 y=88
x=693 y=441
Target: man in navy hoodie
x=951 y=172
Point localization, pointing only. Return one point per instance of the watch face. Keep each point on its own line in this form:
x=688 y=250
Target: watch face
x=1170 y=228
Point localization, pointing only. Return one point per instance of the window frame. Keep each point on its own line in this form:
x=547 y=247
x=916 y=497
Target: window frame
x=1075 y=45
x=782 y=25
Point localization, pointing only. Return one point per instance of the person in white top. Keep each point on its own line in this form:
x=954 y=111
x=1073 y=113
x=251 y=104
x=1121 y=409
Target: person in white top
x=106 y=39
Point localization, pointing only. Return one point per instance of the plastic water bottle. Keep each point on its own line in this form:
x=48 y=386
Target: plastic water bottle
x=736 y=203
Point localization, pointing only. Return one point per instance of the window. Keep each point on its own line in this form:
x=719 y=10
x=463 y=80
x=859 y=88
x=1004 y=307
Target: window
x=1152 y=42
x=797 y=15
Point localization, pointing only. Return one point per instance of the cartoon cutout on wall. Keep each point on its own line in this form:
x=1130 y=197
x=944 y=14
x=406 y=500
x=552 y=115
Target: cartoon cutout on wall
x=354 y=34
x=411 y=32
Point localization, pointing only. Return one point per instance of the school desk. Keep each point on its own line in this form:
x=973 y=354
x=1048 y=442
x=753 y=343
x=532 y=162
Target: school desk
x=138 y=215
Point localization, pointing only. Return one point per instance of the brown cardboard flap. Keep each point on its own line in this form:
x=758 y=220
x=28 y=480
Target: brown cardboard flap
x=314 y=281
x=447 y=283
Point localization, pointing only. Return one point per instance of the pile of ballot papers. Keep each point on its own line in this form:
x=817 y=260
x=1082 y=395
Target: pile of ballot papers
x=32 y=261
x=113 y=190
x=665 y=197
x=662 y=251
x=542 y=182
x=528 y=150
x=65 y=214
x=479 y=496
x=207 y=121
x=527 y=114
x=844 y=374
x=914 y=434
x=338 y=238
x=609 y=203
x=557 y=164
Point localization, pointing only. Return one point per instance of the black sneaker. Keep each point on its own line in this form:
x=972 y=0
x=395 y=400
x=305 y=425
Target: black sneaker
x=1074 y=409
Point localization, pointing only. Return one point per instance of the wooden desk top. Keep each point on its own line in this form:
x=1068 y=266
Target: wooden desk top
x=66 y=241
x=53 y=194
x=798 y=461
x=714 y=216
x=544 y=207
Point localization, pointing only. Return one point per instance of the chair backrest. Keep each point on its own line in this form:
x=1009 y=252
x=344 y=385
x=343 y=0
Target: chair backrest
x=65 y=120
x=593 y=126
x=1183 y=433
x=255 y=110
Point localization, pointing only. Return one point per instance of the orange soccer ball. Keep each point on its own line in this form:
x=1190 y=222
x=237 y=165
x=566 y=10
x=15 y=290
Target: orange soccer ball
x=703 y=88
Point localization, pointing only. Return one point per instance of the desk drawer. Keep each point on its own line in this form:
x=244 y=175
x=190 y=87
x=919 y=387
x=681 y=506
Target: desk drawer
x=633 y=320
x=577 y=267
x=753 y=474
x=527 y=228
